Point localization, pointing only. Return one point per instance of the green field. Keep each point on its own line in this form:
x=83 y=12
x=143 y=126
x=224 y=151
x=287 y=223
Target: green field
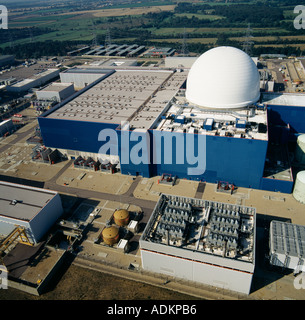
x=160 y=22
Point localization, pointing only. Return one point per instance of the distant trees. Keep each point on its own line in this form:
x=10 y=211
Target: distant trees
x=39 y=49
x=263 y=15
x=12 y=34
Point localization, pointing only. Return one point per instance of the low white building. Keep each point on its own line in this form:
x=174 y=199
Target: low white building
x=82 y=77
x=55 y=91
x=287 y=245
x=34 y=209
x=36 y=80
x=201 y=241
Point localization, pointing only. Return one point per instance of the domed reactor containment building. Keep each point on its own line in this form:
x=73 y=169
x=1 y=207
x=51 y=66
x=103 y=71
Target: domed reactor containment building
x=206 y=123
x=223 y=78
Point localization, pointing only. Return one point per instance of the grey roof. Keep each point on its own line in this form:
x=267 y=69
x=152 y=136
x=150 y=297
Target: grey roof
x=85 y=70
x=287 y=238
x=29 y=200
x=117 y=98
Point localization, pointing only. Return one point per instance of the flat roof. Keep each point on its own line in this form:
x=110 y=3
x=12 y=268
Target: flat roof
x=159 y=102
x=286 y=99
x=287 y=238
x=56 y=86
x=29 y=200
x=201 y=226
x=224 y=122
x=114 y=99
x=87 y=71
x=34 y=77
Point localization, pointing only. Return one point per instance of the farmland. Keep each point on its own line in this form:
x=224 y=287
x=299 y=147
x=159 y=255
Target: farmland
x=204 y=24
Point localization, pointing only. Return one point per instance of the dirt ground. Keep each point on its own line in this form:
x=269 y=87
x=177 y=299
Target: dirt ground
x=77 y=283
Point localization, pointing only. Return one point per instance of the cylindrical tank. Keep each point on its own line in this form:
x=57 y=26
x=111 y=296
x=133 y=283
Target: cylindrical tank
x=299 y=187
x=300 y=149
x=121 y=217
x=110 y=235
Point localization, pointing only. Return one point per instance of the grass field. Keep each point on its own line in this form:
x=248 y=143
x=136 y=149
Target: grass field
x=83 y=25
x=199 y=16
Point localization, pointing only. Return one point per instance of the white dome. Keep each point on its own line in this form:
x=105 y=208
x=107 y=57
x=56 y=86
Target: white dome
x=223 y=77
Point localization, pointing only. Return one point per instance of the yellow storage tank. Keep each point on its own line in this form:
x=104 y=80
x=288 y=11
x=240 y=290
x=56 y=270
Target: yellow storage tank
x=121 y=217
x=110 y=235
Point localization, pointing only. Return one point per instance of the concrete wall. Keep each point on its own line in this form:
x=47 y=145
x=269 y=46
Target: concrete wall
x=59 y=95
x=80 y=80
x=39 y=225
x=48 y=215
x=198 y=272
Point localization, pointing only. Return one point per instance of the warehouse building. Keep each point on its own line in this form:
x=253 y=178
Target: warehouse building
x=82 y=77
x=56 y=91
x=202 y=241
x=159 y=52
x=6 y=127
x=36 y=80
x=118 y=50
x=33 y=209
x=234 y=129
x=6 y=60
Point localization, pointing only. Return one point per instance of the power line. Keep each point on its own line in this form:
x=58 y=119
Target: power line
x=184 y=49
x=248 y=43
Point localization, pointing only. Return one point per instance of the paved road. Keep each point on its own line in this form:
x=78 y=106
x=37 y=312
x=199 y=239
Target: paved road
x=128 y=198
x=82 y=193
x=17 y=139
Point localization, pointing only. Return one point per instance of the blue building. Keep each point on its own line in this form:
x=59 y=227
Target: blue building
x=144 y=122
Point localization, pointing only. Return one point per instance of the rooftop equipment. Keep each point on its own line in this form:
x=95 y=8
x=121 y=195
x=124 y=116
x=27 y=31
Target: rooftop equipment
x=287 y=245
x=208 y=124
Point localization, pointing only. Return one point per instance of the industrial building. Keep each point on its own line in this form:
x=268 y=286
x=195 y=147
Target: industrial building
x=33 y=209
x=6 y=60
x=82 y=77
x=6 y=127
x=36 y=80
x=239 y=133
x=56 y=91
x=159 y=52
x=201 y=241
x=118 y=50
x=287 y=245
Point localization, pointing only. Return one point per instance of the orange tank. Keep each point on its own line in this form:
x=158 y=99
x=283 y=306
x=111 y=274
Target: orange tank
x=121 y=217
x=110 y=235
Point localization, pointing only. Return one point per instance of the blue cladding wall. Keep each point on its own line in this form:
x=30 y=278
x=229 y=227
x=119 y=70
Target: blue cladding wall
x=134 y=154
x=283 y=115
x=276 y=185
x=72 y=135
x=238 y=161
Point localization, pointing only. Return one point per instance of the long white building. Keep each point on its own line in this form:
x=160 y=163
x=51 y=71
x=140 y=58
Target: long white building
x=34 y=209
x=202 y=241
